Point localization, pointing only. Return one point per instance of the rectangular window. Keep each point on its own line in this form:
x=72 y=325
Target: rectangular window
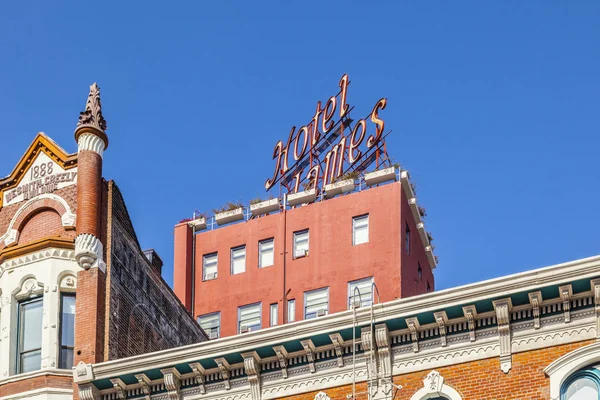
x=211 y=323
x=266 y=253
x=301 y=243
x=316 y=303
x=407 y=239
x=360 y=230
x=360 y=293
x=291 y=310
x=274 y=310
x=249 y=318
x=238 y=260
x=67 y=330
x=29 y=351
x=209 y=266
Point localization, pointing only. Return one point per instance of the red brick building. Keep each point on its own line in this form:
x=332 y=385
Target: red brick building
x=301 y=262
x=75 y=285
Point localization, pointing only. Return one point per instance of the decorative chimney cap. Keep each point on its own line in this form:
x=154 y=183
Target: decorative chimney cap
x=91 y=119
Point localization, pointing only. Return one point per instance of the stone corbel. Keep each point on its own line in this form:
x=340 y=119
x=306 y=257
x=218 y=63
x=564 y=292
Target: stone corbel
x=309 y=349
x=470 y=313
x=145 y=385
x=172 y=381
x=596 y=290
x=88 y=392
x=535 y=299
x=224 y=368
x=382 y=338
x=441 y=319
x=413 y=327
x=199 y=376
x=252 y=369
x=83 y=373
x=119 y=386
x=368 y=344
x=11 y=238
x=503 y=309
x=282 y=356
x=338 y=345
x=566 y=292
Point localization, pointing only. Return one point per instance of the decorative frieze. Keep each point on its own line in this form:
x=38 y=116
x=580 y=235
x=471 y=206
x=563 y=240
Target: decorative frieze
x=309 y=350
x=503 y=308
x=199 y=376
x=535 y=299
x=413 y=327
x=566 y=292
x=470 y=313
x=338 y=344
x=145 y=387
x=252 y=368
x=224 y=367
x=282 y=356
x=119 y=387
x=172 y=381
x=441 y=319
x=596 y=291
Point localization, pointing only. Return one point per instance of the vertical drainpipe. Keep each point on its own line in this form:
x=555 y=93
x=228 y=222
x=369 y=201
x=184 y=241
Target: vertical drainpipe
x=284 y=303
x=193 y=285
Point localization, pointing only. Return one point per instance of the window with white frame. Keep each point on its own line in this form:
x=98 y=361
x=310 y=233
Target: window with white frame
x=582 y=385
x=360 y=293
x=249 y=318
x=209 y=266
x=211 y=324
x=291 y=311
x=29 y=333
x=274 y=309
x=316 y=303
x=266 y=253
x=67 y=330
x=238 y=260
x=301 y=243
x=360 y=230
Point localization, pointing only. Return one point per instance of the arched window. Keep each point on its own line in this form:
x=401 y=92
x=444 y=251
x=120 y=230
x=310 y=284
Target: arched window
x=582 y=385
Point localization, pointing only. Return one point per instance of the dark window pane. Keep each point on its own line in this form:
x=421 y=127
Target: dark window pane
x=66 y=358
x=31 y=361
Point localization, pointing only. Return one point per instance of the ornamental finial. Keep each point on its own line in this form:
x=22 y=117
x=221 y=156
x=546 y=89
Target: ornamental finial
x=92 y=116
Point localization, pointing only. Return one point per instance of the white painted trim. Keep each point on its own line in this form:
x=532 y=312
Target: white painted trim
x=68 y=218
x=91 y=142
x=47 y=391
x=559 y=370
x=35 y=374
x=433 y=387
x=468 y=294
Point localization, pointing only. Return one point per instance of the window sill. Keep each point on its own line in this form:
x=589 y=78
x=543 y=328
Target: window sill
x=35 y=374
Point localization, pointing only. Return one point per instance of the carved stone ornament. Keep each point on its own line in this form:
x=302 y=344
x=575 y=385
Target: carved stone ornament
x=29 y=288
x=503 y=309
x=434 y=381
x=172 y=381
x=92 y=115
x=88 y=392
x=68 y=283
x=88 y=251
x=322 y=396
x=434 y=386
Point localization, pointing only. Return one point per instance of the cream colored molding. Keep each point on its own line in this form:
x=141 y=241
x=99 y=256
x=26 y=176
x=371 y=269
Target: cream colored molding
x=63 y=254
x=12 y=235
x=224 y=368
x=199 y=376
x=503 y=309
x=384 y=354
x=252 y=369
x=413 y=326
x=282 y=356
x=368 y=345
x=68 y=283
x=559 y=370
x=470 y=313
x=88 y=392
x=89 y=252
x=91 y=142
x=566 y=292
x=322 y=396
x=434 y=386
x=309 y=349
x=42 y=393
x=145 y=385
x=119 y=387
x=29 y=287
x=535 y=299
x=596 y=291
x=441 y=319
x=172 y=381
x=338 y=345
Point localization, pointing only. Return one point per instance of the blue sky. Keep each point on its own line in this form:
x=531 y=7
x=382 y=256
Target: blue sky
x=494 y=108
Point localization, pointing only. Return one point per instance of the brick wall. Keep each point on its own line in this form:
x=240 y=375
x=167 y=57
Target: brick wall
x=478 y=380
x=44 y=381
x=145 y=314
x=42 y=224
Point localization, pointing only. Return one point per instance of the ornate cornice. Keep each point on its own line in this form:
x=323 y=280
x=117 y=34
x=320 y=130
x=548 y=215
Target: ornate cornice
x=91 y=119
x=34 y=251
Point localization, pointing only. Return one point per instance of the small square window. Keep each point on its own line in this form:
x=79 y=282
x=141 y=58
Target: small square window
x=316 y=303
x=211 y=323
x=238 y=260
x=301 y=243
x=209 y=266
x=291 y=310
x=266 y=253
x=360 y=230
x=273 y=311
x=360 y=293
x=249 y=318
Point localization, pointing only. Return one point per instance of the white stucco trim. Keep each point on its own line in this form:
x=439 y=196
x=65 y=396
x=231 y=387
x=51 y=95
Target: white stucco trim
x=91 y=142
x=433 y=387
x=563 y=367
x=48 y=393
x=68 y=218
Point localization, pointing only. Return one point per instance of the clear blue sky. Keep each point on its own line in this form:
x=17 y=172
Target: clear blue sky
x=494 y=108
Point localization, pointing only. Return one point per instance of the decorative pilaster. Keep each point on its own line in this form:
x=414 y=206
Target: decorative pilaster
x=596 y=290
x=535 y=299
x=224 y=368
x=413 y=327
x=282 y=356
x=199 y=376
x=441 y=319
x=309 y=349
x=382 y=338
x=338 y=343
x=88 y=392
x=470 y=313
x=368 y=345
x=566 y=292
x=503 y=308
x=172 y=381
x=252 y=369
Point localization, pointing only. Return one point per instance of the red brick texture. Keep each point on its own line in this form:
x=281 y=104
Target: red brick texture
x=89 y=193
x=53 y=381
x=478 y=380
x=43 y=224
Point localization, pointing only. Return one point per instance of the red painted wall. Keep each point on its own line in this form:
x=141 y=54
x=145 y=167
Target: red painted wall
x=332 y=261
